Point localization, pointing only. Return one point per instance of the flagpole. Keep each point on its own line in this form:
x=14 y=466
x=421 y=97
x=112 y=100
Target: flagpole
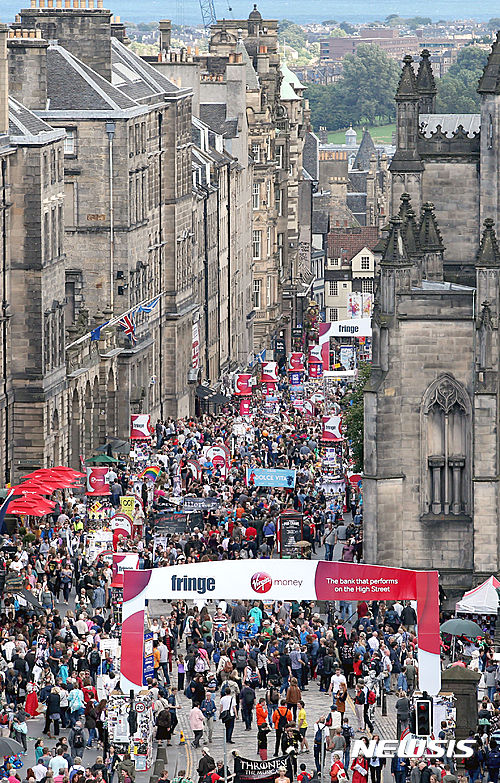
x=115 y=320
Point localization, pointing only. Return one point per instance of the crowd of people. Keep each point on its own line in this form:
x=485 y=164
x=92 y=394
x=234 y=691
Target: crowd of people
x=236 y=660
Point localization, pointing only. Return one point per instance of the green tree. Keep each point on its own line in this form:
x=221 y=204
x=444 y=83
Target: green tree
x=347 y=28
x=364 y=94
x=353 y=418
x=457 y=90
x=292 y=34
x=494 y=23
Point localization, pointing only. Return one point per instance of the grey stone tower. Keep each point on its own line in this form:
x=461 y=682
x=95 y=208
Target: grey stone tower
x=431 y=244
x=406 y=166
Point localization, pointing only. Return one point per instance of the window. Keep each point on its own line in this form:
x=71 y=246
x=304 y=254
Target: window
x=367 y=286
x=256 y=244
x=280 y=243
x=70 y=302
x=256 y=294
x=279 y=157
x=278 y=201
x=333 y=314
x=268 y=292
x=269 y=244
x=333 y=288
x=256 y=195
x=70 y=142
x=365 y=263
x=256 y=153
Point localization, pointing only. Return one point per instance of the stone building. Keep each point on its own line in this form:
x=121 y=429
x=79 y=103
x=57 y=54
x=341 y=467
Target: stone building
x=96 y=162
x=431 y=487
x=276 y=127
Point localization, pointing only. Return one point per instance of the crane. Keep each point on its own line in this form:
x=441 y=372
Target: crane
x=208 y=16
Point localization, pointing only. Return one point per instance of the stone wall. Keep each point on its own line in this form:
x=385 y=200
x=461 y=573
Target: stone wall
x=453 y=187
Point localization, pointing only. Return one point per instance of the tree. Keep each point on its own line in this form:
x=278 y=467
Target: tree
x=353 y=418
x=292 y=34
x=364 y=94
x=347 y=28
x=457 y=90
x=494 y=23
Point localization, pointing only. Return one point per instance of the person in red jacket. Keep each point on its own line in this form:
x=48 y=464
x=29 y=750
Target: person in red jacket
x=359 y=769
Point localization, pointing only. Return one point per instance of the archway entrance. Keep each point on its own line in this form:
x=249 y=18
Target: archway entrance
x=278 y=580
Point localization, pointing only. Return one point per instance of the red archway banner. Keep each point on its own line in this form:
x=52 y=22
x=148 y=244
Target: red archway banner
x=308 y=580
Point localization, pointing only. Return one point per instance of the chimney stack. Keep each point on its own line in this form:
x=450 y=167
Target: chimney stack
x=28 y=67
x=84 y=29
x=165 y=26
x=4 y=82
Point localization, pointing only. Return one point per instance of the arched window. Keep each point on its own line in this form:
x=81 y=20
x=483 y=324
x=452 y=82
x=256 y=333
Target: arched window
x=446 y=420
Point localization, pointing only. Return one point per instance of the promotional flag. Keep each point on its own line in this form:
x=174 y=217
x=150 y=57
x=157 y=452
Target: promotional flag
x=294 y=378
x=271 y=477
x=96 y=481
x=245 y=407
x=195 y=346
x=308 y=408
x=122 y=561
x=127 y=505
x=195 y=468
x=243 y=384
x=296 y=361
x=269 y=372
x=331 y=428
x=140 y=426
x=268 y=389
x=315 y=370
x=151 y=472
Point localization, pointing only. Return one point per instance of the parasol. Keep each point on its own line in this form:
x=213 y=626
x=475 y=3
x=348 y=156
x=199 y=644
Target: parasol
x=458 y=627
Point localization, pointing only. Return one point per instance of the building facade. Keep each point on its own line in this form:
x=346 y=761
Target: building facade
x=431 y=487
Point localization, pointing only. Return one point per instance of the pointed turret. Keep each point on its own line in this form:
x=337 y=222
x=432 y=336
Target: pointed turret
x=405 y=205
x=395 y=251
x=396 y=268
x=406 y=160
x=365 y=152
x=429 y=233
x=490 y=80
x=431 y=244
x=407 y=87
x=488 y=254
x=426 y=85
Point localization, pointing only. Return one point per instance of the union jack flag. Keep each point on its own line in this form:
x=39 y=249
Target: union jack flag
x=127 y=323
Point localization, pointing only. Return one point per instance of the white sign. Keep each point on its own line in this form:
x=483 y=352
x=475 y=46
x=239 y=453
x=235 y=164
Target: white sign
x=353 y=327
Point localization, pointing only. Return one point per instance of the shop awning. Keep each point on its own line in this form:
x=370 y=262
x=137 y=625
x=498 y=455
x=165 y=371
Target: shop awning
x=203 y=392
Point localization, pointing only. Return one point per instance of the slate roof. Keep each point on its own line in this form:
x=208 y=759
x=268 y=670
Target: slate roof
x=488 y=253
x=471 y=123
x=310 y=155
x=24 y=126
x=357 y=204
x=364 y=153
x=357 y=181
x=319 y=222
x=214 y=115
x=135 y=77
x=252 y=80
x=73 y=85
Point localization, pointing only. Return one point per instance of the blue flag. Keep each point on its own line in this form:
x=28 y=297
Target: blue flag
x=95 y=334
x=149 y=306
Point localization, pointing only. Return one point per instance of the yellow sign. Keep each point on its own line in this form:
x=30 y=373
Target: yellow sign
x=127 y=505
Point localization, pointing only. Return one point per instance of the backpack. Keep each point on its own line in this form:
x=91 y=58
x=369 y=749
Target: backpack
x=493 y=759
x=240 y=658
x=94 y=659
x=78 y=739
x=318 y=737
x=216 y=656
x=200 y=665
x=371 y=697
x=282 y=720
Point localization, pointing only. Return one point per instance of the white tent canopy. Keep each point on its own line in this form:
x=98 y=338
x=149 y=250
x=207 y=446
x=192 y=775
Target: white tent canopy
x=483 y=599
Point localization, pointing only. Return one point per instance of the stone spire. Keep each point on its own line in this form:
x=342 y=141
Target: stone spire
x=364 y=153
x=395 y=251
x=406 y=159
x=405 y=205
x=488 y=254
x=410 y=231
x=407 y=87
x=431 y=244
x=490 y=80
x=429 y=233
x=426 y=84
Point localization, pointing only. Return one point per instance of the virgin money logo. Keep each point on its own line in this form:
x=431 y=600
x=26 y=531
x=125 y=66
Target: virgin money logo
x=261 y=582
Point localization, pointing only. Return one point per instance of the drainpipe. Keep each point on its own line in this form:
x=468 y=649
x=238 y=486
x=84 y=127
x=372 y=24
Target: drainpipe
x=160 y=283
x=5 y=317
x=110 y=130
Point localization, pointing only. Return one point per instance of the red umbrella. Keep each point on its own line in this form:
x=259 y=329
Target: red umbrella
x=34 y=506
x=68 y=471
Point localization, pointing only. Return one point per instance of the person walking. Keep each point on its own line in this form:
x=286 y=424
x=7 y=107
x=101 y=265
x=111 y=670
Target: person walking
x=227 y=714
x=197 y=723
x=281 y=718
